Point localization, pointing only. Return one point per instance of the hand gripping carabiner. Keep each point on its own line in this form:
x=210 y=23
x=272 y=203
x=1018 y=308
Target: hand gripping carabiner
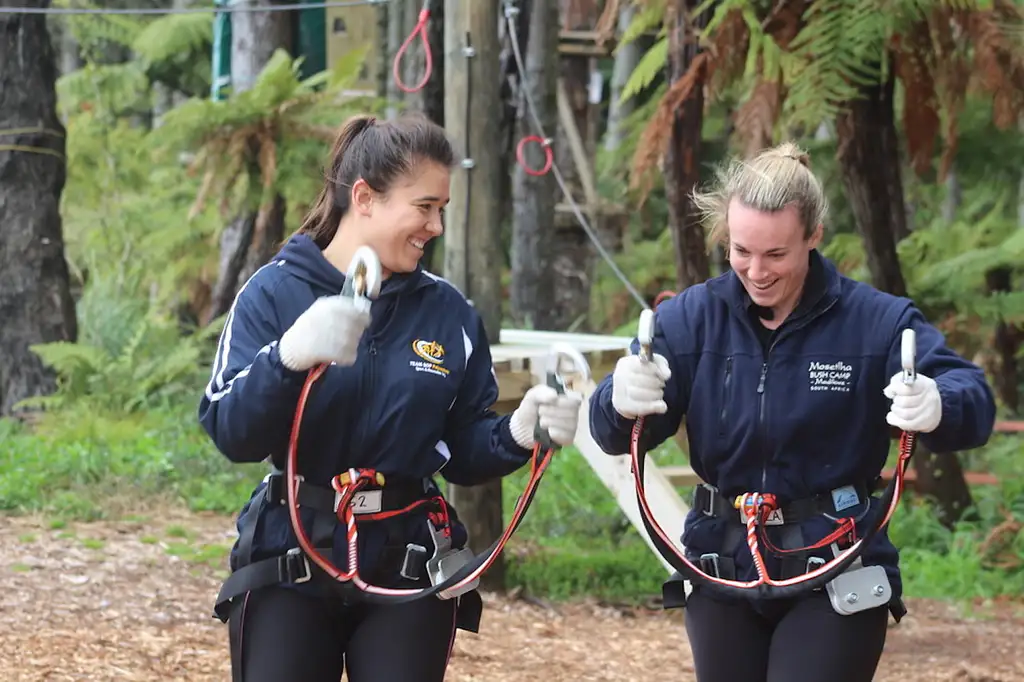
x=560 y=380
x=908 y=355
x=645 y=334
x=363 y=279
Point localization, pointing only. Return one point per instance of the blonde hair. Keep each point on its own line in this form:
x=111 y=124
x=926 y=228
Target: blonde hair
x=772 y=180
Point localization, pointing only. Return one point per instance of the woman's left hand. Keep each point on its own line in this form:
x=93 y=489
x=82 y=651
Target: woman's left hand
x=916 y=406
x=557 y=414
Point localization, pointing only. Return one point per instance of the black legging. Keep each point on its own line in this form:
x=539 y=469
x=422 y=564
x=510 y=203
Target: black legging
x=286 y=635
x=795 y=641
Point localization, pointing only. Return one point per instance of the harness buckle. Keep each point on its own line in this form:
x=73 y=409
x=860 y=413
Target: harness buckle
x=411 y=566
x=708 y=508
x=296 y=566
x=709 y=564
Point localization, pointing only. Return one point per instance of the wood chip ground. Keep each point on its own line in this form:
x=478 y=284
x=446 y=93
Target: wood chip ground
x=131 y=601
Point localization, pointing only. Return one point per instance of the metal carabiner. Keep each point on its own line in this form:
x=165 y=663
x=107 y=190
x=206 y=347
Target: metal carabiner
x=908 y=356
x=561 y=381
x=645 y=334
x=363 y=279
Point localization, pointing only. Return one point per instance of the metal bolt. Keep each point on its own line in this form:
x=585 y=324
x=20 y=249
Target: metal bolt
x=851 y=598
x=879 y=590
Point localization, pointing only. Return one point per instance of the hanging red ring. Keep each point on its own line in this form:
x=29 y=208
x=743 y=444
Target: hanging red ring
x=421 y=29
x=548 y=155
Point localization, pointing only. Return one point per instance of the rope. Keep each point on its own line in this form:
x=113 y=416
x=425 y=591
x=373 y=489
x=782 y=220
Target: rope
x=189 y=10
x=510 y=13
x=421 y=29
x=30 y=149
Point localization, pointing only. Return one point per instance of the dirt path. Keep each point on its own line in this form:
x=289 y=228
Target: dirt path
x=131 y=601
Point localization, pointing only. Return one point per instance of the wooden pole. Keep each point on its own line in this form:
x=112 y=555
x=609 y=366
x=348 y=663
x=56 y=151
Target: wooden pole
x=472 y=259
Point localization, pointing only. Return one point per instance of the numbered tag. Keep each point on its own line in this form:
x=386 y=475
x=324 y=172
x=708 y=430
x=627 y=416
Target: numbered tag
x=774 y=519
x=367 y=501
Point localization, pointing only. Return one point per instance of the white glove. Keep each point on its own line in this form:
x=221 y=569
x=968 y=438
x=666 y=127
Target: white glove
x=558 y=415
x=915 y=407
x=638 y=387
x=328 y=331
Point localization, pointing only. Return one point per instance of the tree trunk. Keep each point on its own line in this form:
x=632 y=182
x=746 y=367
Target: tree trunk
x=252 y=239
x=869 y=158
x=682 y=160
x=35 y=285
x=430 y=98
x=573 y=260
x=534 y=196
x=626 y=59
x=1006 y=340
x=472 y=247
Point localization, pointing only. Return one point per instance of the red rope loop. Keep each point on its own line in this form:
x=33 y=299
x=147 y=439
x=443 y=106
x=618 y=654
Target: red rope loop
x=421 y=29
x=548 y=155
x=662 y=297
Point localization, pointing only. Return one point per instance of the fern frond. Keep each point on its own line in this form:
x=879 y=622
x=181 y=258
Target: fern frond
x=168 y=37
x=651 y=65
x=914 y=70
x=755 y=119
x=655 y=135
x=648 y=18
x=838 y=49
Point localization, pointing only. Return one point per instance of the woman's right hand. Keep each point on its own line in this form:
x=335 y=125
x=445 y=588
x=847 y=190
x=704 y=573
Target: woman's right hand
x=638 y=387
x=328 y=331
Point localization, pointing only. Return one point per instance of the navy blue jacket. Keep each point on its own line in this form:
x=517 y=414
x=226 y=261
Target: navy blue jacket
x=416 y=403
x=803 y=418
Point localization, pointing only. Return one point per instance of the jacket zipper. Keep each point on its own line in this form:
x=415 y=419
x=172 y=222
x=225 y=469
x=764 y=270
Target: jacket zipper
x=367 y=397
x=724 y=416
x=762 y=417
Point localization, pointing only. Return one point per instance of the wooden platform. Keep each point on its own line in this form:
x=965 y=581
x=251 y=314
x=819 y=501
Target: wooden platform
x=520 y=358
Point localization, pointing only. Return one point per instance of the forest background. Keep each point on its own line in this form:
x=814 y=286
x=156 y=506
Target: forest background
x=178 y=154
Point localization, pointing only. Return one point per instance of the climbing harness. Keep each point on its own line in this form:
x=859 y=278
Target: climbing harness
x=359 y=495
x=850 y=585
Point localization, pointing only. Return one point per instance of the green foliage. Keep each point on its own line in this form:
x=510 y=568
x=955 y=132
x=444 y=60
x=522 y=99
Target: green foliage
x=153 y=365
x=175 y=50
x=650 y=67
x=264 y=140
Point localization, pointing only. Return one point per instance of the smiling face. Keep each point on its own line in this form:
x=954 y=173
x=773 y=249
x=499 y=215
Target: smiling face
x=399 y=223
x=768 y=251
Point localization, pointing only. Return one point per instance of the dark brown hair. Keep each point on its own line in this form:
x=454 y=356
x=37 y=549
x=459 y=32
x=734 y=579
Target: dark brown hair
x=379 y=152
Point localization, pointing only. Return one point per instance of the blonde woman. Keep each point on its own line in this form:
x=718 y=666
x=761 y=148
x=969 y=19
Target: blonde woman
x=788 y=374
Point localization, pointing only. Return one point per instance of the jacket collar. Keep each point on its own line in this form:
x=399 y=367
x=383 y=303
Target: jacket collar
x=823 y=287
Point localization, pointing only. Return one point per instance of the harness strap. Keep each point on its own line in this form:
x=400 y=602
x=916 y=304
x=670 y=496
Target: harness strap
x=294 y=567
x=711 y=502
x=797 y=560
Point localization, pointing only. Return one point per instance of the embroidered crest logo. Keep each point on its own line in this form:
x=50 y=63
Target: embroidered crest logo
x=431 y=354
